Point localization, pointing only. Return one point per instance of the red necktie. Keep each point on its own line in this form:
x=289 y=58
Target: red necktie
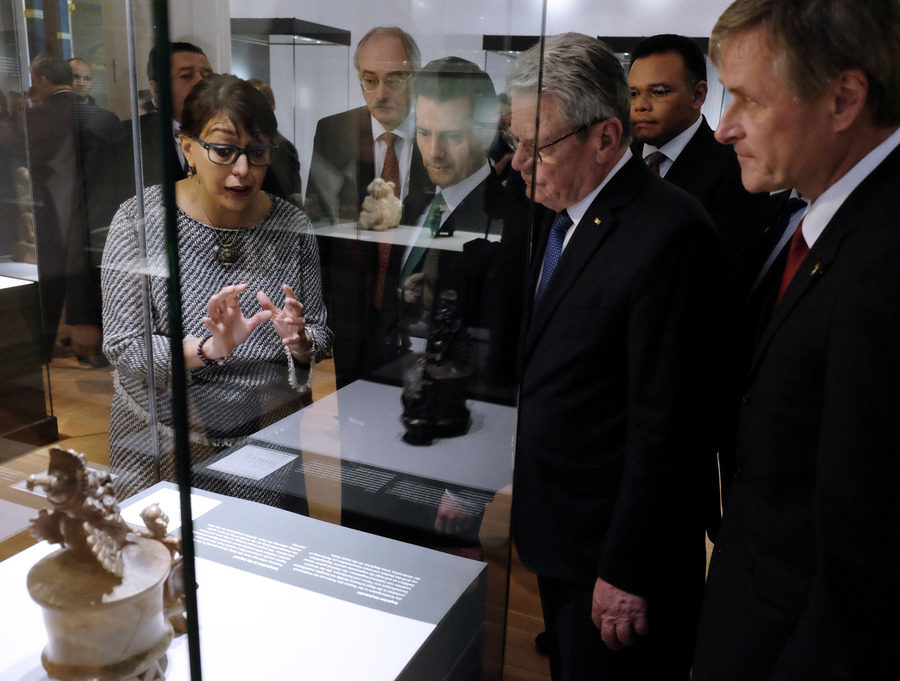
x=797 y=252
x=390 y=173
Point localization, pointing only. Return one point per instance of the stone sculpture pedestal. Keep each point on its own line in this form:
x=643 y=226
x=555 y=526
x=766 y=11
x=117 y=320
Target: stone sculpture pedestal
x=101 y=628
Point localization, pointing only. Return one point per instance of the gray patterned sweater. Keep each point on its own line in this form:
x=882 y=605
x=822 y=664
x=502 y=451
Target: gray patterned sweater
x=260 y=385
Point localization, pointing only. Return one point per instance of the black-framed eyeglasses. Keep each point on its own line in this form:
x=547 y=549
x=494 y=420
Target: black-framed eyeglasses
x=513 y=142
x=394 y=83
x=228 y=154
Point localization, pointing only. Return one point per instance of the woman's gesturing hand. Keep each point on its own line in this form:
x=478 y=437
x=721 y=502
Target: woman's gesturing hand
x=226 y=322
x=289 y=323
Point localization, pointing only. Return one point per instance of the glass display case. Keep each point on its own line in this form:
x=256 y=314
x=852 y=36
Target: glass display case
x=341 y=487
x=240 y=301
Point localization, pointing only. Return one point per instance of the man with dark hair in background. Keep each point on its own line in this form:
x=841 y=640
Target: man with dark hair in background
x=189 y=66
x=803 y=582
x=668 y=88
x=456 y=118
x=82 y=79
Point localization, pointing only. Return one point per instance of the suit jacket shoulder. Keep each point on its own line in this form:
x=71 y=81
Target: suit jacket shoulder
x=710 y=171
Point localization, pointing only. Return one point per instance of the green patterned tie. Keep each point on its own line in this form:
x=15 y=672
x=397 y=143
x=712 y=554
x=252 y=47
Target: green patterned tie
x=431 y=227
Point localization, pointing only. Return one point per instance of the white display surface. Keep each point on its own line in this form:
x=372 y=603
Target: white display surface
x=403 y=235
x=9 y=282
x=360 y=423
x=253 y=626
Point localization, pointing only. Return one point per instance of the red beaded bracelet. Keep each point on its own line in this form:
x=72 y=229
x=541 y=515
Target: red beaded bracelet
x=221 y=361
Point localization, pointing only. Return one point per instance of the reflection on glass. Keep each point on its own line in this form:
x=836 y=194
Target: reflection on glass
x=389 y=212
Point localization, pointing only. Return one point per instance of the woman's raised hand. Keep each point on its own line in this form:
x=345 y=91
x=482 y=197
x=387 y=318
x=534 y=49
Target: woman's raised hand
x=289 y=323
x=226 y=322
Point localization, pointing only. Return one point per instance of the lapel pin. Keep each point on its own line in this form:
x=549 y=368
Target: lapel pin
x=816 y=270
x=597 y=221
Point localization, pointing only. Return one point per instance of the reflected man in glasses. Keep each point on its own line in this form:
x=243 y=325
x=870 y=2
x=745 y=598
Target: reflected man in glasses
x=350 y=148
x=612 y=452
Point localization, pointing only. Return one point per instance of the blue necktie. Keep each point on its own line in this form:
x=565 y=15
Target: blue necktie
x=561 y=224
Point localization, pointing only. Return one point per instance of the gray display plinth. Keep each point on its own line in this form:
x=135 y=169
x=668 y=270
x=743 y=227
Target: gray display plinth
x=284 y=596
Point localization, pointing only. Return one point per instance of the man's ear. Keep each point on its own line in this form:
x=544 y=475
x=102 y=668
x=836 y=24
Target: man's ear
x=607 y=137
x=153 y=89
x=850 y=92
x=698 y=94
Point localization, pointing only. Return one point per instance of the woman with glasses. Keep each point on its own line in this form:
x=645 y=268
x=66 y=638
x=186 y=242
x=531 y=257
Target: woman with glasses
x=252 y=311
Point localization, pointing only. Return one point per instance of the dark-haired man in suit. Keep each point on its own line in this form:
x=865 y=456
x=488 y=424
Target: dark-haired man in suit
x=69 y=143
x=668 y=89
x=803 y=582
x=456 y=119
x=189 y=67
x=612 y=449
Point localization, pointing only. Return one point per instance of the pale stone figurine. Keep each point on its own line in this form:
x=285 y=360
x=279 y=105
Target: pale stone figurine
x=381 y=208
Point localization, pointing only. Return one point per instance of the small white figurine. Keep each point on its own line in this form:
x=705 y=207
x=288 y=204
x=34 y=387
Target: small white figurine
x=381 y=208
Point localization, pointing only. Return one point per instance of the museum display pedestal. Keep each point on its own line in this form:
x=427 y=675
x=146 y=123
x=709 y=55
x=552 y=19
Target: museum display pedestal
x=23 y=404
x=100 y=627
x=285 y=596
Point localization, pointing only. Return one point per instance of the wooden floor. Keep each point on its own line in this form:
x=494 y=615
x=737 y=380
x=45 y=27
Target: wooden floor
x=82 y=397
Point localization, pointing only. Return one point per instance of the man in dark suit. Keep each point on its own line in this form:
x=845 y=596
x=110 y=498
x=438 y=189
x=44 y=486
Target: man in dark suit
x=803 y=582
x=189 y=67
x=668 y=88
x=349 y=148
x=349 y=151
x=456 y=116
x=456 y=119
x=82 y=79
x=69 y=144
x=611 y=449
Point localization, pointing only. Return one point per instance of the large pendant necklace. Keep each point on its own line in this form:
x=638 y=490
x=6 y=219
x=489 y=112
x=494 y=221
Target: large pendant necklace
x=225 y=252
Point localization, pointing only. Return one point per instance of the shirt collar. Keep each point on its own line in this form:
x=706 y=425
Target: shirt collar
x=676 y=145
x=405 y=131
x=454 y=194
x=577 y=211
x=820 y=211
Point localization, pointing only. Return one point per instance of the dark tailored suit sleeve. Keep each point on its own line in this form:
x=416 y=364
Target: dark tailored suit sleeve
x=342 y=160
x=612 y=435
x=755 y=314
x=803 y=584
x=710 y=172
